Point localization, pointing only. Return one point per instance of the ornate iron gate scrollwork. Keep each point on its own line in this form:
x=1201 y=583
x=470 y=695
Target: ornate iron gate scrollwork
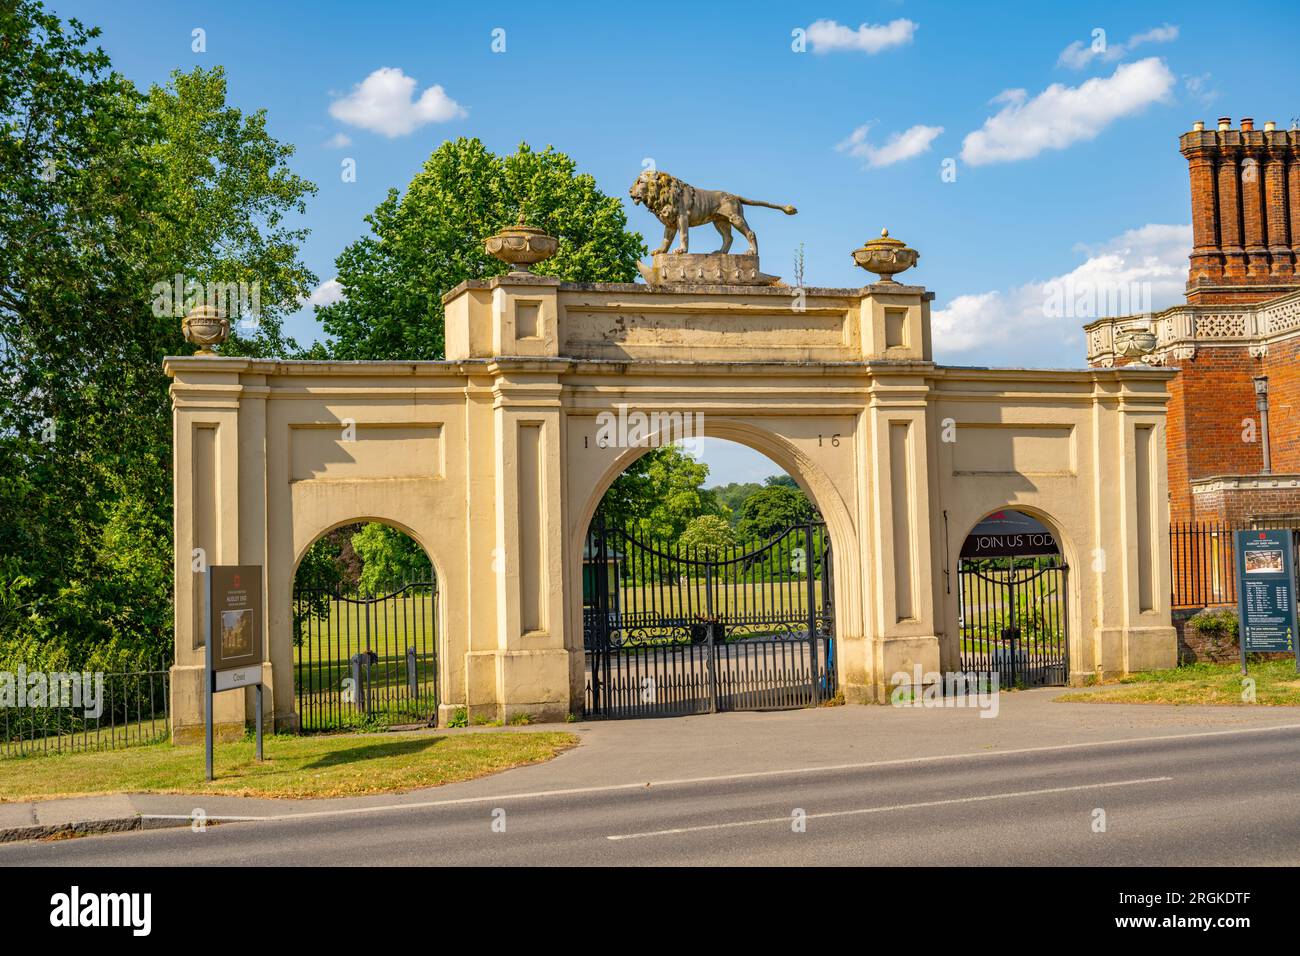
x=670 y=631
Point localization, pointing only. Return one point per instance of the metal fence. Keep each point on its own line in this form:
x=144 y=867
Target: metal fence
x=1014 y=619
x=671 y=630
x=363 y=659
x=48 y=712
x=1203 y=564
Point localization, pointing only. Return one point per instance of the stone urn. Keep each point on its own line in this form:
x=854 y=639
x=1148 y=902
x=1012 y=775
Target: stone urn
x=885 y=257
x=1137 y=342
x=205 y=327
x=521 y=245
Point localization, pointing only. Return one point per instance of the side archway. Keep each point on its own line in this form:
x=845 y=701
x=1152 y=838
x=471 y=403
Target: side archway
x=1014 y=600
x=367 y=628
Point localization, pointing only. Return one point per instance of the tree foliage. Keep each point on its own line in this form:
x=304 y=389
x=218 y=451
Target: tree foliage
x=659 y=493
x=708 y=535
x=426 y=241
x=105 y=192
x=389 y=559
x=772 y=510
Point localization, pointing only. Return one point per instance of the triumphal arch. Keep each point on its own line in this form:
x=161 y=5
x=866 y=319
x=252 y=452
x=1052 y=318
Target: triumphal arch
x=490 y=459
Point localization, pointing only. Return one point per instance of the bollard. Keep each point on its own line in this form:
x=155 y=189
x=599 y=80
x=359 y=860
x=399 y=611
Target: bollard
x=358 y=689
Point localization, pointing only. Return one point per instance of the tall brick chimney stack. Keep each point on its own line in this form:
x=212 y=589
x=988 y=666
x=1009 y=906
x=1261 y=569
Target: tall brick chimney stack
x=1245 y=212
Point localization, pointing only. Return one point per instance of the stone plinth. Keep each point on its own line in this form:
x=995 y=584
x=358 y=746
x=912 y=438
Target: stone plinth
x=709 y=268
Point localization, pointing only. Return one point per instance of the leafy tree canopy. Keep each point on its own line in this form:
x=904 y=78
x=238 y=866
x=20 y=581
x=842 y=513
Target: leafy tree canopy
x=707 y=535
x=389 y=559
x=659 y=493
x=105 y=192
x=426 y=241
x=772 y=510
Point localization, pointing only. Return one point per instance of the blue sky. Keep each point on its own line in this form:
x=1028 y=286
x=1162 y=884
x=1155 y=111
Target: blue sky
x=1076 y=178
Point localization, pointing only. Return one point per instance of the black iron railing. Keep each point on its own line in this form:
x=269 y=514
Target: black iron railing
x=57 y=712
x=1014 y=619
x=1203 y=561
x=671 y=629
x=362 y=659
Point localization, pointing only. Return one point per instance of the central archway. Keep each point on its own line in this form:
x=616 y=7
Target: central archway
x=715 y=614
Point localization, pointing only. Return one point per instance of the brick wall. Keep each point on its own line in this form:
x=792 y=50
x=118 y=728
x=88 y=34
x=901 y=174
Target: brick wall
x=1196 y=647
x=1282 y=366
x=1210 y=398
x=1237 y=506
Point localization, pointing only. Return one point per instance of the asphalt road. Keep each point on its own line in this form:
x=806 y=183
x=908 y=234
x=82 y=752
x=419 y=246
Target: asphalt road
x=1226 y=799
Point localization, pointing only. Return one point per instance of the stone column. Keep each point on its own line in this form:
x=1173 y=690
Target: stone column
x=1130 y=565
x=532 y=662
x=898 y=496
x=206 y=493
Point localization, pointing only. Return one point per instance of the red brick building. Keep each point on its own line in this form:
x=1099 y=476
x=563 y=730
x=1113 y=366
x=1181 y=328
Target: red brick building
x=1236 y=341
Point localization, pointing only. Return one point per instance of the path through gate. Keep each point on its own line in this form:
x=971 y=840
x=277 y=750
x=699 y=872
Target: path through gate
x=670 y=631
x=1014 y=620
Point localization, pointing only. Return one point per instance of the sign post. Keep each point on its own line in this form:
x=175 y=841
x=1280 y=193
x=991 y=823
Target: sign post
x=233 y=636
x=1266 y=593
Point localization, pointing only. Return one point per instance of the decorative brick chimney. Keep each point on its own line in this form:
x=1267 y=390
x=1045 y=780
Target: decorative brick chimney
x=1233 y=427
x=1245 y=212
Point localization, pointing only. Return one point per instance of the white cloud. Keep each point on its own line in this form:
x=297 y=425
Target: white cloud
x=338 y=141
x=384 y=102
x=327 y=293
x=1082 y=52
x=899 y=146
x=1062 y=115
x=1200 y=87
x=827 y=36
x=1039 y=324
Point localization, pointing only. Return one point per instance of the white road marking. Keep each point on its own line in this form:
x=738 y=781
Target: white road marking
x=888 y=809
x=727 y=778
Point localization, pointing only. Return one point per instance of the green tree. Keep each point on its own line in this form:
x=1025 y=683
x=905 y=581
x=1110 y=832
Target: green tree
x=426 y=241
x=100 y=189
x=772 y=510
x=390 y=559
x=659 y=493
x=732 y=496
x=708 y=535
x=231 y=195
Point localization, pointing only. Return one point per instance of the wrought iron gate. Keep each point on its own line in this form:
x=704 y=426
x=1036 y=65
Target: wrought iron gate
x=365 y=660
x=1014 y=620
x=670 y=631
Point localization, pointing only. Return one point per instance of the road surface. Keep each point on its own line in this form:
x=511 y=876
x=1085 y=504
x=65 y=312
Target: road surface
x=1216 y=798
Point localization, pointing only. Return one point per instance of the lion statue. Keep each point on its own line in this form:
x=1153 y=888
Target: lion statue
x=679 y=206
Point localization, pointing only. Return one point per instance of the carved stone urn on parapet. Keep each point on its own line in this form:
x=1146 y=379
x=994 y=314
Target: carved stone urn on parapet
x=886 y=257
x=521 y=246
x=205 y=326
x=1138 y=345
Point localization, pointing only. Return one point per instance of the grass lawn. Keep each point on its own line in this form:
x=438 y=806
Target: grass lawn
x=1276 y=684
x=306 y=766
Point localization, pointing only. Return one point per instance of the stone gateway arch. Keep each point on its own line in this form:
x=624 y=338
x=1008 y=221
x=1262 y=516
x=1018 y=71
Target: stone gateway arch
x=490 y=459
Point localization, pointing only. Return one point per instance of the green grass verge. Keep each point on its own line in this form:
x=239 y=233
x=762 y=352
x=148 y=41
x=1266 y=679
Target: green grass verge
x=308 y=766
x=1276 y=685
